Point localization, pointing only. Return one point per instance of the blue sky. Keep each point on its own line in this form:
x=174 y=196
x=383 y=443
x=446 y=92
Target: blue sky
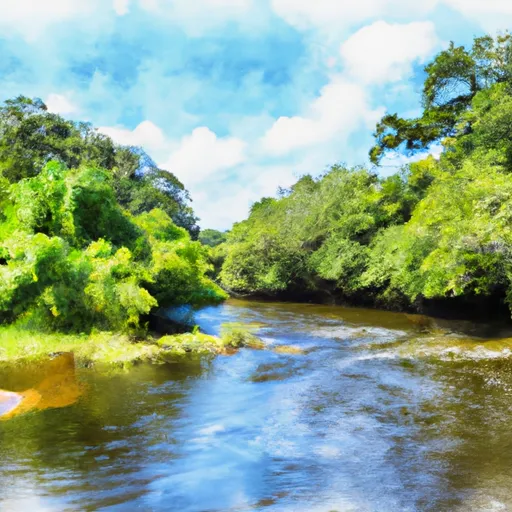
x=236 y=97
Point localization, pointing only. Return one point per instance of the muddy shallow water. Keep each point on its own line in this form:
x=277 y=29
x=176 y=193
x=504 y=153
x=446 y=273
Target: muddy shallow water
x=380 y=412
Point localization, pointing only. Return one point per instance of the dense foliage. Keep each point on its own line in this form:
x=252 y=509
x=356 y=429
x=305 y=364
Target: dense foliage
x=212 y=237
x=30 y=137
x=92 y=235
x=440 y=228
x=453 y=80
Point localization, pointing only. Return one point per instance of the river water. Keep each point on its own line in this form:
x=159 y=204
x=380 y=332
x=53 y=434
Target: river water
x=380 y=412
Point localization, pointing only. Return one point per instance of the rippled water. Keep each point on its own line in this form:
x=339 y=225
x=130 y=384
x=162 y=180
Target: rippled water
x=381 y=412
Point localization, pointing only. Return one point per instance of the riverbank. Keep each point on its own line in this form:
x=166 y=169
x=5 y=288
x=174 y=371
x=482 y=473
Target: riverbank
x=116 y=349
x=475 y=308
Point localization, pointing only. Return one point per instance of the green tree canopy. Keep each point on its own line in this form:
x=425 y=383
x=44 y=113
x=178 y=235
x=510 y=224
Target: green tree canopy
x=212 y=237
x=30 y=137
x=72 y=258
x=453 y=79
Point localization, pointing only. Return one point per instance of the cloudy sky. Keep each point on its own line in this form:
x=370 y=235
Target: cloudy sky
x=236 y=97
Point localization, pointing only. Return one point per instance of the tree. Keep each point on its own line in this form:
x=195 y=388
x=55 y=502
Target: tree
x=212 y=237
x=72 y=259
x=30 y=137
x=453 y=79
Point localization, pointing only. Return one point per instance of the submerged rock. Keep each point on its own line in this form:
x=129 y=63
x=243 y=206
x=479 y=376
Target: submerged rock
x=236 y=336
x=191 y=344
x=288 y=349
x=421 y=321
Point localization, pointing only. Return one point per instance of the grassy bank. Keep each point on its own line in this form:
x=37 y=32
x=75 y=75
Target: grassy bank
x=17 y=344
x=108 y=348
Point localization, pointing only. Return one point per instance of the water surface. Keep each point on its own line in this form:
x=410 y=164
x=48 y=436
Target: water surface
x=381 y=412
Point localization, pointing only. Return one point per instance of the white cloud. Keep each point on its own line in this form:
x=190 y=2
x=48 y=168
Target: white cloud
x=199 y=15
x=121 y=7
x=220 y=209
x=193 y=159
x=203 y=154
x=229 y=4
x=150 y=5
x=60 y=104
x=31 y=17
x=321 y=13
x=185 y=8
x=384 y=52
x=220 y=204
x=339 y=14
x=341 y=109
x=477 y=7
x=42 y=11
x=146 y=134
x=492 y=15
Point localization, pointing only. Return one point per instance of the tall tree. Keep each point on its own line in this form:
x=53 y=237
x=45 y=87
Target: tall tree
x=453 y=79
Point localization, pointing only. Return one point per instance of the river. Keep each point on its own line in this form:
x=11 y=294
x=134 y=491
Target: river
x=380 y=412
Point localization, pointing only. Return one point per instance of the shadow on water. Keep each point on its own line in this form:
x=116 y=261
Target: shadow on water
x=375 y=412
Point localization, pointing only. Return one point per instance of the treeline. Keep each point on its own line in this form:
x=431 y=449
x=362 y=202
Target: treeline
x=438 y=229
x=93 y=235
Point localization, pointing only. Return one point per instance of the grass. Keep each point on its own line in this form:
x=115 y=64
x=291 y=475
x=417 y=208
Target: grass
x=102 y=347
x=18 y=344
x=119 y=349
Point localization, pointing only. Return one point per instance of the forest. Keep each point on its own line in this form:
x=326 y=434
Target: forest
x=94 y=236
x=438 y=230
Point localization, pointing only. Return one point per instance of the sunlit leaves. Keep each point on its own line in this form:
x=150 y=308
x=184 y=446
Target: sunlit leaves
x=453 y=79
x=73 y=259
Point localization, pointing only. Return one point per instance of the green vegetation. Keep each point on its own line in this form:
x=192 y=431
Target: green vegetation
x=92 y=235
x=236 y=336
x=438 y=229
x=95 y=238
x=30 y=137
x=212 y=237
x=454 y=78
x=20 y=345
x=116 y=349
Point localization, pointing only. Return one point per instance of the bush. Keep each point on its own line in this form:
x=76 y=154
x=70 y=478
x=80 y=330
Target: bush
x=75 y=260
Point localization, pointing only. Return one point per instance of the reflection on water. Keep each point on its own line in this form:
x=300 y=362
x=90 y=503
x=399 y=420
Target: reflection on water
x=58 y=387
x=8 y=402
x=375 y=412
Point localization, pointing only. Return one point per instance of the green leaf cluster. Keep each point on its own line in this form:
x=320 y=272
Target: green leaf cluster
x=453 y=79
x=72 y=259
x=30 y=137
